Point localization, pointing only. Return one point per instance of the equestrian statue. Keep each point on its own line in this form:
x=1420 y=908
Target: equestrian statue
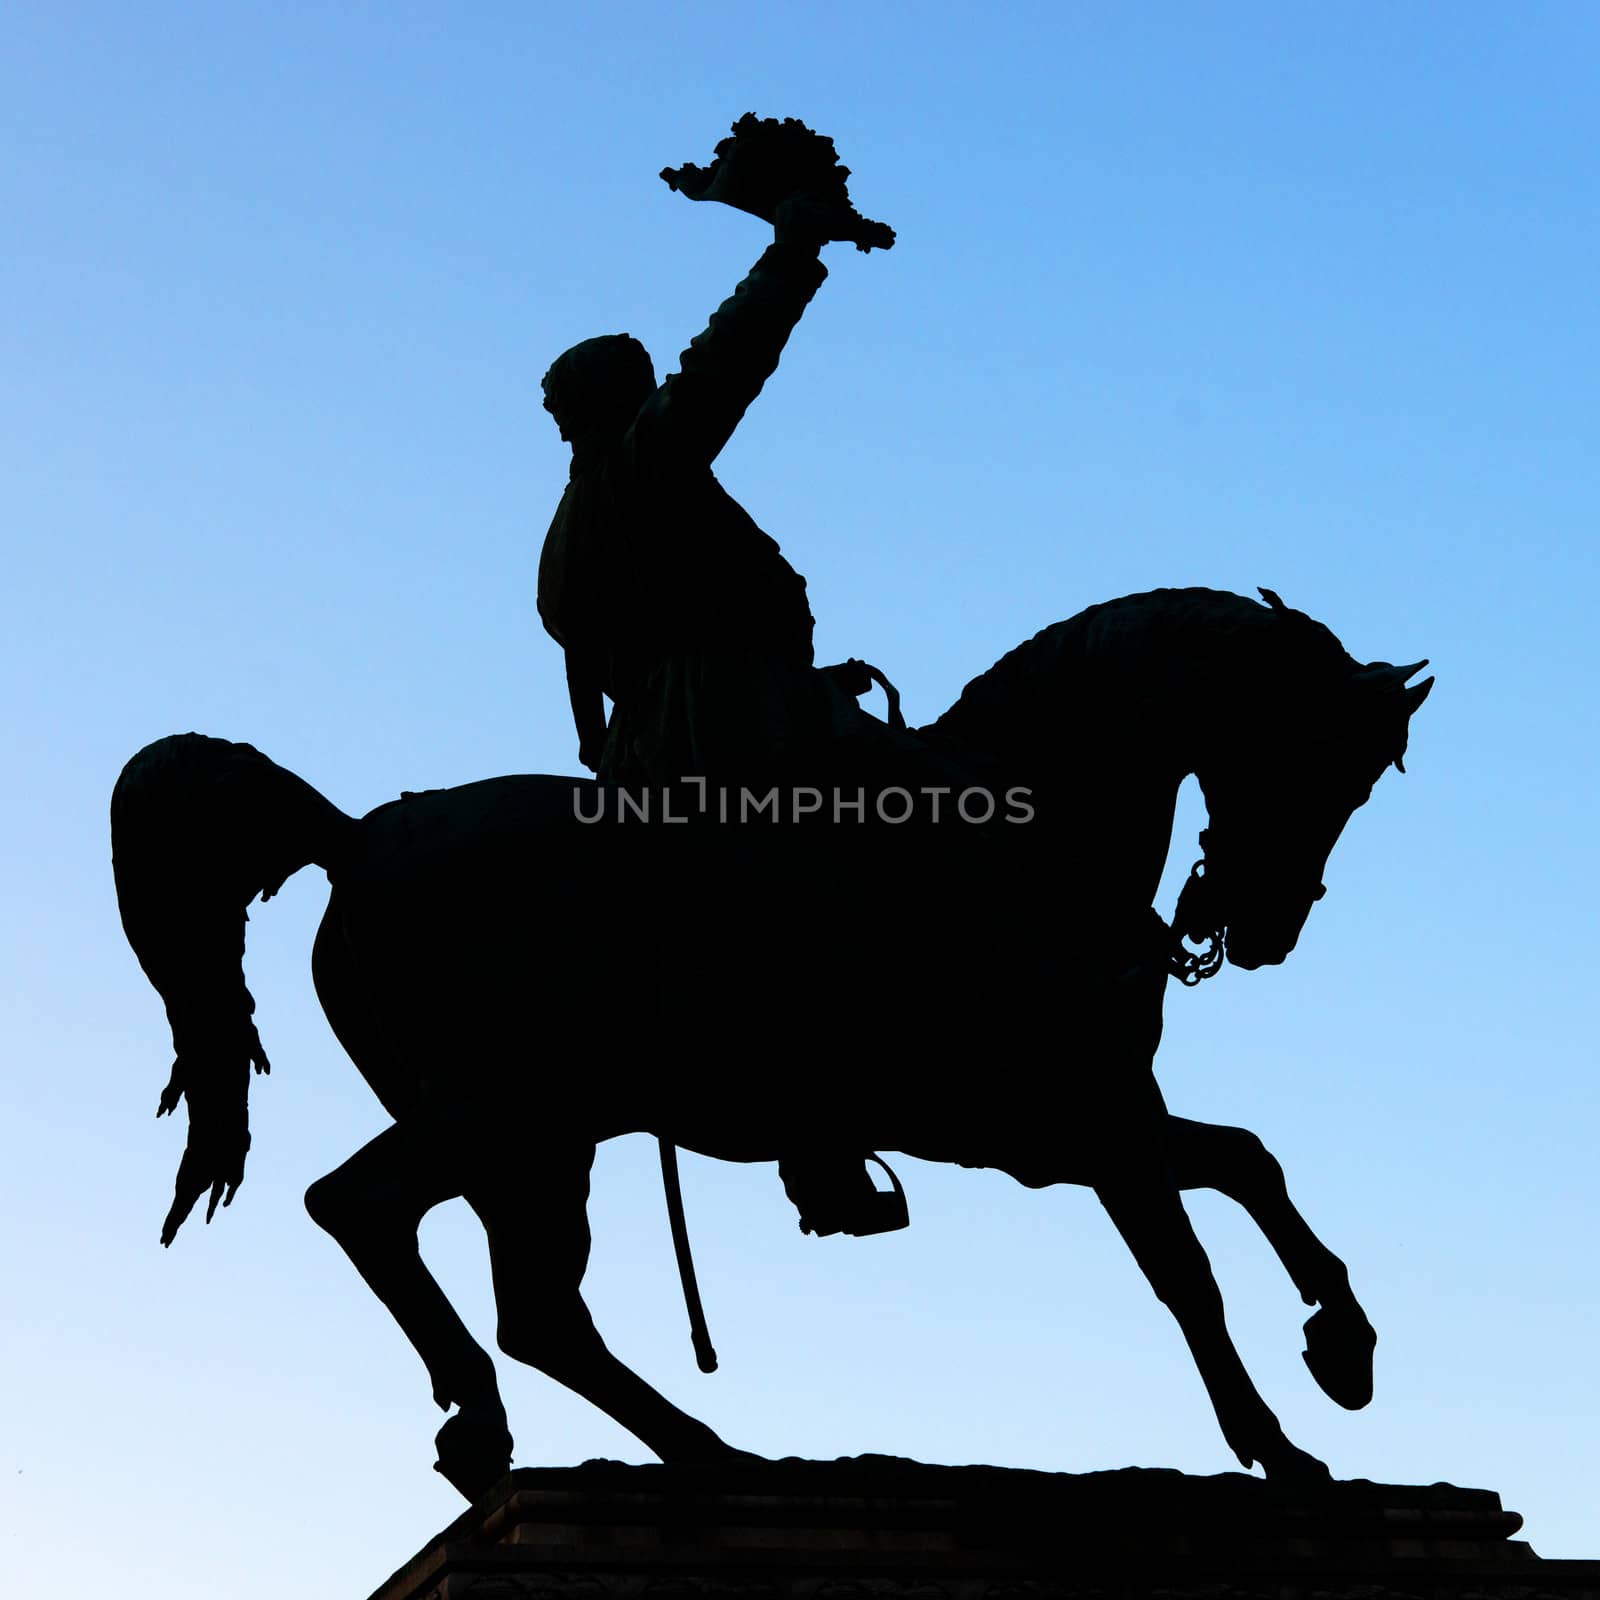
x=524 y=967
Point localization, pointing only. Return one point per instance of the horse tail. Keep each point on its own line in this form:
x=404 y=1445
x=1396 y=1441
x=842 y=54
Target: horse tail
x=199 y=827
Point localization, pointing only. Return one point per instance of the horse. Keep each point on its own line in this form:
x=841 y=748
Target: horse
x=518 y=983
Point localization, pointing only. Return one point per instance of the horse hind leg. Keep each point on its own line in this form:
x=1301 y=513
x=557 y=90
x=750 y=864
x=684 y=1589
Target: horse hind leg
x=1339 y=1339
x=534 y=1210
x=373 y=1205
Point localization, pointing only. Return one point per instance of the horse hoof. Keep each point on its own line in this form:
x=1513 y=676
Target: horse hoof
x=704 y=1449
x=474 y=1454
x=1338 y=1352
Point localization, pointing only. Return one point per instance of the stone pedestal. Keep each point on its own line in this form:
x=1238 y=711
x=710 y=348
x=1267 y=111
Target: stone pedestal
x=877 y=1528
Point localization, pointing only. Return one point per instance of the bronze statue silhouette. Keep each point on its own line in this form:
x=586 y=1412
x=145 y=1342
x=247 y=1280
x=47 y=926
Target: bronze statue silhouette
x=517 y=985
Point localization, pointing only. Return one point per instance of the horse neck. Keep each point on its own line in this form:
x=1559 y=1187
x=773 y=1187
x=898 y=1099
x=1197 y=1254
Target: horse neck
x=1103 y=717
x=1103 y=789
x=1105 y=826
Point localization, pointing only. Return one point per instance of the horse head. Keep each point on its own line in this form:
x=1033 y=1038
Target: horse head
x=1278 y=796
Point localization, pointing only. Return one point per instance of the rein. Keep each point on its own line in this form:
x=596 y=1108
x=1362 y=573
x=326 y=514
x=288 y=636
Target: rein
x=1188 y=966
x=1197 y=921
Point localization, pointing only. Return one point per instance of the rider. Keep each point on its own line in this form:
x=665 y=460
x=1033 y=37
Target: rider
x=668 y=599
x=662 y=591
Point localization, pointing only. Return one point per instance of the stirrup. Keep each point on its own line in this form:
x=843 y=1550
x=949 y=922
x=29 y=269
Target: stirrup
x=836 y=1197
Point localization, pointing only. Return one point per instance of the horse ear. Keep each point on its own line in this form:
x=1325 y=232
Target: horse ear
x=1381 y=675
x=1272 y=599
x=1385 y=679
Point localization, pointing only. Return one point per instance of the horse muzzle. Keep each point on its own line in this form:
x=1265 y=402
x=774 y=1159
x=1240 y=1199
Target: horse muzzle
x=1269 y=941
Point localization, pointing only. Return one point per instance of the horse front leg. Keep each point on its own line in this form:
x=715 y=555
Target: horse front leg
x=1129 y=1166
x=534 y=1209
x=1233 y=1161
x=1148 y=1212
x=373 y=1206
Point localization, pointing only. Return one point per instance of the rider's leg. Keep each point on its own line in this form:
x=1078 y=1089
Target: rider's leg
x=533 y=1205
x=1234 y=1162
x=372 y=1205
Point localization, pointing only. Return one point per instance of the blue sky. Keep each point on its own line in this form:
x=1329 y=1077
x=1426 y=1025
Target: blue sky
x=1231 y=295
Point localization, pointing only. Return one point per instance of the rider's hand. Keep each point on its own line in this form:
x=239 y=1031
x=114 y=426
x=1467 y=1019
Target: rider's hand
x=854 y=677
x=806 y=220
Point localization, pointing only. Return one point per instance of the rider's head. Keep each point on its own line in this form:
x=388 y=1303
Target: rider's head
x=599 y=385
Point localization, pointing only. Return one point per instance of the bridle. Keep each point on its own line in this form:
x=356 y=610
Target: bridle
x=1195 y=921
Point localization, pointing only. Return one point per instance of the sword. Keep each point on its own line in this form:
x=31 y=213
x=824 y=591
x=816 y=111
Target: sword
x=704 y=1354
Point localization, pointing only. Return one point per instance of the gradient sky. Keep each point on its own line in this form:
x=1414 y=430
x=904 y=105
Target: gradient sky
x=1234 y=295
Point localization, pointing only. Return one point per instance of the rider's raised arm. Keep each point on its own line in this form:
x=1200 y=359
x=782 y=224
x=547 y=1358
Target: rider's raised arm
x=693 y=414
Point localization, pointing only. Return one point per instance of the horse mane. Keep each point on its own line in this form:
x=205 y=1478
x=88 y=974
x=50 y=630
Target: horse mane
x=1126 y=660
